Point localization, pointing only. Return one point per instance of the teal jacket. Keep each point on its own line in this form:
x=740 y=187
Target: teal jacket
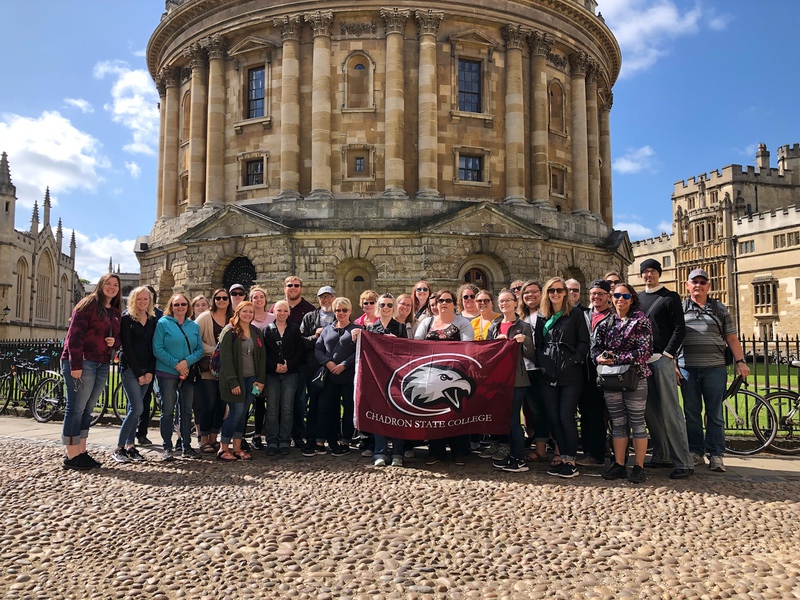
x=230 y=356
x=170 y=347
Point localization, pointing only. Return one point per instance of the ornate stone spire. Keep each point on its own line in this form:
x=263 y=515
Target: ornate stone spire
x=46 y=206
x=6 y=187
x=59 y=235
x=72 y=246
x=110 y=265
x=35 y=218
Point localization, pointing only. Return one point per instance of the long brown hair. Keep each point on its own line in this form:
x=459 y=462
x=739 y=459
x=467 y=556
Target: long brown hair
x=236 y=323
x=99 y=298
x=546 y=308
x=213 y=303
x=522 y=309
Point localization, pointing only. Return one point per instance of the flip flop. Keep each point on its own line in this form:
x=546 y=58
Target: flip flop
x=534 y=456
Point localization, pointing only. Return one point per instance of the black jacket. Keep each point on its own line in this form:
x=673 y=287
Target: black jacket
x=526 y=349
x=288 y=348
x=561 y=353
x=666 y=316
x=137 y=345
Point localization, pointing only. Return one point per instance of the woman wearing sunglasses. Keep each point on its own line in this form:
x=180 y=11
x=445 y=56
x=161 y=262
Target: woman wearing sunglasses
x=562 y=344
x=421 y=294
x=626 y=339
x=177 y=346
x=467 y=307
x=367 y=300
x=212 y=408
x=262 y=319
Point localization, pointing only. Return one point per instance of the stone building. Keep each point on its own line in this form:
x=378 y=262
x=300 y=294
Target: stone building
x=369 y=145
x=742 y=225
x=38 y=282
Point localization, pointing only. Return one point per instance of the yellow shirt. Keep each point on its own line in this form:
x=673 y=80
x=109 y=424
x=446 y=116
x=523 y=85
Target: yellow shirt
x=481 y=326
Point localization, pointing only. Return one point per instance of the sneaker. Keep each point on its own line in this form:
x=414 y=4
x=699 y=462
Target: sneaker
x=190 y=453
x=340 y=450
x=245 y=446
x=308 y=450
x=272 y=451
x=320 y=449
x=379 y=462
x=555 y=469
x=501 y=462
x=167 y=456
x=258 y=443
x=367 y=453
x=616 y=471
x=637 y=475
x=568 y=471
x=143 y=441
x=490 y=451
x=515 y=465
x=502 y=453
x=432 y=460
x=397 y=461
x=121 y=456
x=589 y=461
x=134 y=454
x=698 y=459
x=715 y=464
x=89 y=460
x=408 y=454
x=475 y=447
x=76 y=463
x=284 y=451
x=460 y=461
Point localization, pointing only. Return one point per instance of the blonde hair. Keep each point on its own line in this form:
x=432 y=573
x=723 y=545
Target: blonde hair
x=132 y=310
x=197 y=299
x=342 y=302
x=282 y=303
x=546 y=308
x=368 y=295
x=410 y=317
x=257 y=288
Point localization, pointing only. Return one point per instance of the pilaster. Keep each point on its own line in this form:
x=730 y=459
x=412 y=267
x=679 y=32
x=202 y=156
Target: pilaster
x=592 y=139
x=606 y=203
x=216 y=46
x=197 y=124
x=540 y=187
x=320 y=23
x=395 y=20
x=428 y=132
x=171 y=77
x=290 y=106
x=515 y=37
x=161 y=86
x=579 y=63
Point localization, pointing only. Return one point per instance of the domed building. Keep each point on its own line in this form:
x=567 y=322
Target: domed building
x=366 y=146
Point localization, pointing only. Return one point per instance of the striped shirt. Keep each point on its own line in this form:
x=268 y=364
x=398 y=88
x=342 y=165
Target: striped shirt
x=704 y=344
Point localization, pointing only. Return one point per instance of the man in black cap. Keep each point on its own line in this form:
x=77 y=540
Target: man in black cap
x=592 y=403
x=663 y=414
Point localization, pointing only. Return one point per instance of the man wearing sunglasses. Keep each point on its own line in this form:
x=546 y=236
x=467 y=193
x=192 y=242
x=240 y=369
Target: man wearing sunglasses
x=709 y=330
x=663 y=413
x=237 y=294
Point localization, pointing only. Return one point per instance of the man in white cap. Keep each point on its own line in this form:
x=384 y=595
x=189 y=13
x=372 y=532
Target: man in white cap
x=237 y=294
x=710 y=330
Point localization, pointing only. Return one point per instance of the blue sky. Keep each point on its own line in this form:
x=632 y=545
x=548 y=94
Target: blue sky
x=703 y=83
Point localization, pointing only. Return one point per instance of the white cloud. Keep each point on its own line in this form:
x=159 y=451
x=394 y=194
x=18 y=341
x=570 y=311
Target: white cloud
x=140 y=53
x=80 y=104
x=92 y=255
x=635 y=161
x=134 y=169
x=50 y=151
x=636 y=231
x=665 y=226
x=645 y=28
x=134 y=104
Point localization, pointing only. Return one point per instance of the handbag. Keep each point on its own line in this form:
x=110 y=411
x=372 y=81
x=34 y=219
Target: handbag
x=617 y=378
x=318 y=381
x=204 y=364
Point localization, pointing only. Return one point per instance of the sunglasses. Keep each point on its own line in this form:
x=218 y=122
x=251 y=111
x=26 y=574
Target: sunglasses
x=385 y=305
x=445 y=301
x=574 y=291
x=617 y=296
x=341 y=310
x=366 y=302
x=516 y=289
x=422 y=289
x=613 y=281
x=177 y=304
x=237 y=293
x=468 y=296
x=556 y=291
x=699 y=281
x=292 y=285
x=486 y=301
x=221 y=298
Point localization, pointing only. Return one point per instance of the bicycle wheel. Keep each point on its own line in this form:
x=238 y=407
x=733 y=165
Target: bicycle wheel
x=785 y=405
x=5 y=392
x=749 y=423
x=99 y=408
x=119 y=402
x=48 y=398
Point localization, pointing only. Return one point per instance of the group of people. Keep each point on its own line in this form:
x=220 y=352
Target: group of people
x=294 y=362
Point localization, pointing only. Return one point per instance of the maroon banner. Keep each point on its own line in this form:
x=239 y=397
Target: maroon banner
x=421 y=390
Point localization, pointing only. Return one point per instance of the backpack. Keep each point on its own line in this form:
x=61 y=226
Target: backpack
x=215 y=363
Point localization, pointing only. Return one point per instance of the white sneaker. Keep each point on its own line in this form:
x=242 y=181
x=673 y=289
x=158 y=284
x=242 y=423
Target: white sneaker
x=379 y=462
x=397 y=461
x=715 y=464
x=698 y=459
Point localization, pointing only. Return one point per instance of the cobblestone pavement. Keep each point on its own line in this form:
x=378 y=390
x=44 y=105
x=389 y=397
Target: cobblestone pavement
x=324 y=527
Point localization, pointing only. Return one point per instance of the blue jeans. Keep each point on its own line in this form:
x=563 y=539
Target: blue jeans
x=281 y=388
x=170 y=395
x=382 y=447
x=81 y=401
x=664 y=416
x=135 y=394
x=233 y=426
x=704 y=385
x=561 y=405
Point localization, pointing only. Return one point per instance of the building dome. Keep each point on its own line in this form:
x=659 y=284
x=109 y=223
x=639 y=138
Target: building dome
x=314 y=139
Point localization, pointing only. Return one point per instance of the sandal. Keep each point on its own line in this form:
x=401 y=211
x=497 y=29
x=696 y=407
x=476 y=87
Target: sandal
x=226 y=455
x=242 y=455
x=556 y=462
x=534 y=456
x=207 y=448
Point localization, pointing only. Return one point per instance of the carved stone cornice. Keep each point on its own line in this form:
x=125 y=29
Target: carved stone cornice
x=579 y=63
x=515 y=36
x=168 y=77
x=215 y=45
x=196 y=54
x=395 y=19
x=320 y=22
x=593 y=72
x=428 y=21
x=290 y=27
x=540 y=44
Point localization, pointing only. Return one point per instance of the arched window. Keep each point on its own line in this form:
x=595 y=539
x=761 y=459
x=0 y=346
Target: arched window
x=240 y=270
x=358 y=70
x=556 y=94
x=44 y=291
x=186 y=113
x=22 y=289
x=477 y=277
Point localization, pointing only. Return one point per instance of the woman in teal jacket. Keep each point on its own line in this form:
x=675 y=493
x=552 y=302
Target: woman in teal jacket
x=177 y=346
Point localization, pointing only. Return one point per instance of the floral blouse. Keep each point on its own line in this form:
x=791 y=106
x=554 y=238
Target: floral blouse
x=630 y=340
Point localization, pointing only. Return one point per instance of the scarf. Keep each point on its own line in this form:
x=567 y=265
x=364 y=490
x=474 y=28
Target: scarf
x=552 y=321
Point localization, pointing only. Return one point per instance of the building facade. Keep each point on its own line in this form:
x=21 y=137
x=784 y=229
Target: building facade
x=38 y=282
x=367 y=146
x=741 y=225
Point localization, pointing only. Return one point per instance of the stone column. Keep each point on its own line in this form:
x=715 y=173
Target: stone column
x=161 y=85
x=578 y=63
x=592 y=140
x=394 y=165
x=428 y=23
x=197 y=125
x=606 y=205
x=515 y=115
x=215 y=138
x=169 y=182
x=290 y=107
x=540 y=189
x=321 y=105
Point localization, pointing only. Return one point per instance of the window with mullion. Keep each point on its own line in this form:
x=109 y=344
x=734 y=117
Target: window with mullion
x=255 y=93
x=470 y=168
x=469 y=86
x=254 y=172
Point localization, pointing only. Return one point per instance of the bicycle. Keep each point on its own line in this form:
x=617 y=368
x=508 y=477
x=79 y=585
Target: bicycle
x=50 y=397
x=786 y=404
x=746 y=412
x=13 y=389
x=119 y=401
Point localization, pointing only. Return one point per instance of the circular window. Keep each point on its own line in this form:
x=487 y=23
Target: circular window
x=242 y=271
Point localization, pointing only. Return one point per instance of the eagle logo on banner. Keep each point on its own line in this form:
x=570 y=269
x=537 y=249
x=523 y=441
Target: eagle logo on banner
x=431 y=386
